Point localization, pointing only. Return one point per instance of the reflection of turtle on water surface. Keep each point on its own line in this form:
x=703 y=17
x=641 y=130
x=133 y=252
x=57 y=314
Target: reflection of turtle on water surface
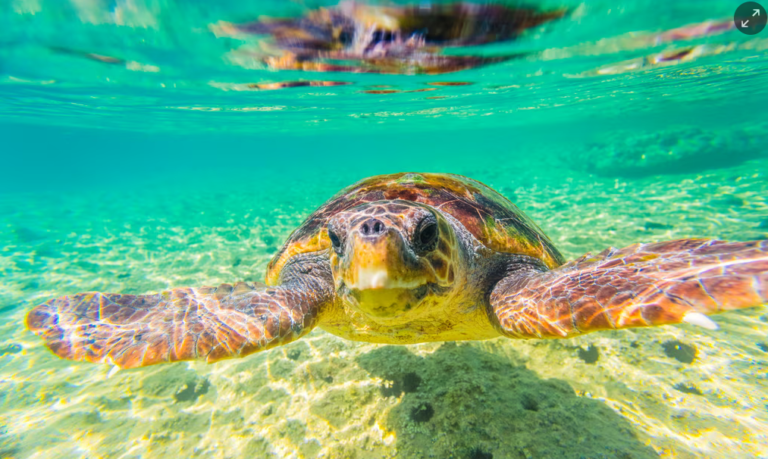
x=355 y=37
x=411 y=258
x=359 y=38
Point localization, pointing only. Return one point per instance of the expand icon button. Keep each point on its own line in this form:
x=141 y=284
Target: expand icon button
x=750 y=18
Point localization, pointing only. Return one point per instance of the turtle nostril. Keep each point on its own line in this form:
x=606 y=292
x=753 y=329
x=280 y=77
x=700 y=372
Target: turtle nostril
x=372 y=227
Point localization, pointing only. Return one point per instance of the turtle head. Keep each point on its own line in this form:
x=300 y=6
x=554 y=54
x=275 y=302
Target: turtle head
x=390 y=259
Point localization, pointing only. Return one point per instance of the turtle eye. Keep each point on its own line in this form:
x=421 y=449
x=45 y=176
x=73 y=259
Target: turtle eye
x=426 y=235
x=335 y=241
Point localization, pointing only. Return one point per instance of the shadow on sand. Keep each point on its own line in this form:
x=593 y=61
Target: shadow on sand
x=465 y=403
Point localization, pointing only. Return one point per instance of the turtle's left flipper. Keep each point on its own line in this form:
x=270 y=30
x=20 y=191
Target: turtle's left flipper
x=640 y=285
x=208 y=323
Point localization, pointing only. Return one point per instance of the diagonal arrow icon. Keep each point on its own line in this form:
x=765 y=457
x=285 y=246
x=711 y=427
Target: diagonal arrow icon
x=750 y=19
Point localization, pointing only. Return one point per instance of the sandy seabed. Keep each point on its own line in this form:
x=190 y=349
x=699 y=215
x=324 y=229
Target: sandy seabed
x=673 y=391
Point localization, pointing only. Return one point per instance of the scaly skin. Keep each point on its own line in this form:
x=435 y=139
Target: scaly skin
x=640 y=285
x=208 y=323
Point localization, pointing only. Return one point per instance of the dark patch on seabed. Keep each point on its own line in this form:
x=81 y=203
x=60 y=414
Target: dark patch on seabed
x=679 y=351
x=687 y=388
x=480 y=454
x=589 y=355
x=183 y=386
x=422 y=413
x=656 y=226
x=473 y=404
x=395 y=385
x=192 y=391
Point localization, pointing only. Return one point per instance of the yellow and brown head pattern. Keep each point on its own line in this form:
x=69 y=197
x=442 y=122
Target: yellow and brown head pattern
x=488 y=216
x=388 y=256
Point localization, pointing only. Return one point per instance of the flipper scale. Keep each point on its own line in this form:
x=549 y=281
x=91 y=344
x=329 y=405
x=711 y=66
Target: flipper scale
x=209 y=323
x=640 y=285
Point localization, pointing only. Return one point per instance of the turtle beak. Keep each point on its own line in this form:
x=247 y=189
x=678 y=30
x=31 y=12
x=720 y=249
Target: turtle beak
x=378 y=259
x=383 y=277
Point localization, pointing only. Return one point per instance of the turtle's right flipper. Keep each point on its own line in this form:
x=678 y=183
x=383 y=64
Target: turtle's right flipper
x=208 y=323
x=640 y=285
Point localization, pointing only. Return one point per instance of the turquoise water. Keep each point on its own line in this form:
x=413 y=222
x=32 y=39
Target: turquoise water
x=137 y=156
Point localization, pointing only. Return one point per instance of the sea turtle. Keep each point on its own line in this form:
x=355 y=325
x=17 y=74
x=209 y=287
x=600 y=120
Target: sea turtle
x=410 y=258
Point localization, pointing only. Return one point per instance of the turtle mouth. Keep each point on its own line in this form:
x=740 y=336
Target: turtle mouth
x=389 y=302
x=379 y=278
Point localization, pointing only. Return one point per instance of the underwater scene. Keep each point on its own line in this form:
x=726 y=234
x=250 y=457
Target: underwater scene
x=200 y=164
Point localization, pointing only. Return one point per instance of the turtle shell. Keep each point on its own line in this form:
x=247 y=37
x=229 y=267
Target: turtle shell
x=485 y=213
